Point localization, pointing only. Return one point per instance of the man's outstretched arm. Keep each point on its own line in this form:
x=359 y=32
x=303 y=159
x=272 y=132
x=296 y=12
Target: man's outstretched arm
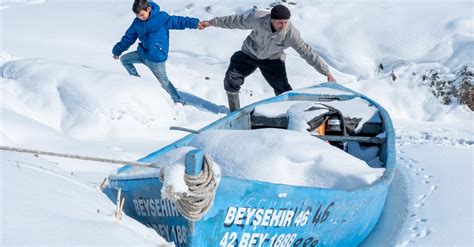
x=309 y=54
x=245 y=21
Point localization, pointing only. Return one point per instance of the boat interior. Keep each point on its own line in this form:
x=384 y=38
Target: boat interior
x=358 y=132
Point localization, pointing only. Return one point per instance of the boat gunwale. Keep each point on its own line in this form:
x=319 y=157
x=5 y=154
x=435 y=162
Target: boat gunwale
x=389 y=131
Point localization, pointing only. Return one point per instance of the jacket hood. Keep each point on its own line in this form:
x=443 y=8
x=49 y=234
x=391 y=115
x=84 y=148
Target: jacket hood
x=155 y=8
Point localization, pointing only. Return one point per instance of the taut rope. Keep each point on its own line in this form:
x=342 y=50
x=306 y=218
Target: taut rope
x=74 y=156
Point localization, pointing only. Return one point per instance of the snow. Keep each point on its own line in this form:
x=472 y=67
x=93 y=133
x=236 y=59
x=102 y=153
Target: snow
x=48 y=206
x=367 y=154
x=323 y=91
x=431 y=195
x=434 y=191
x=266 y=154
x=299 y=115
x=174 y=172
x=62 y=91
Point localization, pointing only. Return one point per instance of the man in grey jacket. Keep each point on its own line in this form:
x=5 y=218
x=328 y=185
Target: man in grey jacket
x=271 y=34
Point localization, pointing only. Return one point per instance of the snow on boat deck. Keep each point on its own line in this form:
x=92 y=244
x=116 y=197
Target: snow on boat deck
x=286 y=157
x=270 y=155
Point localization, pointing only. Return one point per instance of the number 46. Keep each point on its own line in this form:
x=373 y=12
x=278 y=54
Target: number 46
x=321 y=217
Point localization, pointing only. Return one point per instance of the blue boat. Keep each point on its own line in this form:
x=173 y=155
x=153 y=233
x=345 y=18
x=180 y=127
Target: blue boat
x=245 y=212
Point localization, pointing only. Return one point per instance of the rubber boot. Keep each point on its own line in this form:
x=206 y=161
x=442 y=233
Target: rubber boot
x=234 y=103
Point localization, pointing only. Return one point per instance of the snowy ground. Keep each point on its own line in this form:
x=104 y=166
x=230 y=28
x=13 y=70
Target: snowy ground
x=62 y=91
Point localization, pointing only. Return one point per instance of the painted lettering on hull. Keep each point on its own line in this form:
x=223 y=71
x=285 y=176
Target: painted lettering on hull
x=259 y=222
x=172 y=233
x=155 y=208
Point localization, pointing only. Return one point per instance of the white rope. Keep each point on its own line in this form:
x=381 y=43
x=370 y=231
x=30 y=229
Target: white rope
x=200 y=196
x=74 y=156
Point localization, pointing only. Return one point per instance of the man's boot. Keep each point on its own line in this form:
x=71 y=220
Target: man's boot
x=234 y=103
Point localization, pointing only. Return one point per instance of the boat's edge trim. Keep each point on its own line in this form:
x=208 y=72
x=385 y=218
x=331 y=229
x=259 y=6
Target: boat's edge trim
x=386 y=179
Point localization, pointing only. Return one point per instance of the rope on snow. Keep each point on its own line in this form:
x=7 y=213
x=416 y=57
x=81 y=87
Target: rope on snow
x=74 y=156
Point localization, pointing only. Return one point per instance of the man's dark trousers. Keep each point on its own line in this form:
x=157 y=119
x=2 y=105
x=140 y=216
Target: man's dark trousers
x=242 y=65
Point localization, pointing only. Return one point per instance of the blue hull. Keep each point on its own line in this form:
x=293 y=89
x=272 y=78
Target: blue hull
x=253 y=213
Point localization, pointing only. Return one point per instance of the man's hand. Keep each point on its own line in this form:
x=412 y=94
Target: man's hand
x=116 y=57
x=331 y=78
x=200 y=26
x=203 y=24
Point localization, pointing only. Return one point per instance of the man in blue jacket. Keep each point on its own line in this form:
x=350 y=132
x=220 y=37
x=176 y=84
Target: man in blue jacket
x=151 y=27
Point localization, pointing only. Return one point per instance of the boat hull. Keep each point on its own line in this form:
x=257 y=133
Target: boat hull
x=254 y=213
x=249 y=213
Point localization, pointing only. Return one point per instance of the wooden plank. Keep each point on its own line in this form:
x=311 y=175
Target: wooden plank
x=364 y=139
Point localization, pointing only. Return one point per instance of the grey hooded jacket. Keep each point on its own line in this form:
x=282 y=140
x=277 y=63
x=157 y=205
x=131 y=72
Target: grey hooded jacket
x=262 y=43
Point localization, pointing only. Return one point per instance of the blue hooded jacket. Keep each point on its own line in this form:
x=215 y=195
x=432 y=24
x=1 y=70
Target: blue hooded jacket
x=153 y=34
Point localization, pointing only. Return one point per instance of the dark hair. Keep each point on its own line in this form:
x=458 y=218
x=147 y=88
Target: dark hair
x=140 y=5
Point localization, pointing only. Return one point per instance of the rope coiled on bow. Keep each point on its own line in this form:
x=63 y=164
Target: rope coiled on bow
x=199 y=198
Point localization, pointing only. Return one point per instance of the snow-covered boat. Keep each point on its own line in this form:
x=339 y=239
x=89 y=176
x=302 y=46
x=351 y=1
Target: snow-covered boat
x=241 y=205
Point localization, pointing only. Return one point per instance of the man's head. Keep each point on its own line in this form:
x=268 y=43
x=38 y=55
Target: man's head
x=142 y=9
x=279 y=17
